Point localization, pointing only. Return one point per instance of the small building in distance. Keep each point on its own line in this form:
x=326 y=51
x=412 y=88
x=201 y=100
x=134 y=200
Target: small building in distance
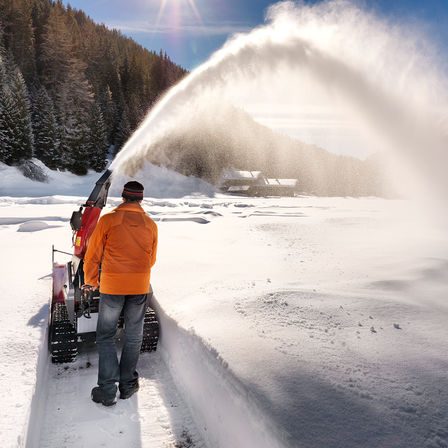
x=235 y=178
x=278 y=187
x=254 y=183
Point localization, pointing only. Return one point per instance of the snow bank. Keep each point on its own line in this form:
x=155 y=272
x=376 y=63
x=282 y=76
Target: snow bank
x=159 y=182
x=222 y=406
x=36 y=416
x=13 y=183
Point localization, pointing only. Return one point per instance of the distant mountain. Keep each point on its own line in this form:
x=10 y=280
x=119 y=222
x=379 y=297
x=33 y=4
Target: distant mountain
x=70 y=88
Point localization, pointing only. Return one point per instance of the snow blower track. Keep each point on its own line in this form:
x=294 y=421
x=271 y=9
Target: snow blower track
x=154 y=417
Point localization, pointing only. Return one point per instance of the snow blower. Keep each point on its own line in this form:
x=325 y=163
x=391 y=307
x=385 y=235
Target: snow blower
x=74 y=312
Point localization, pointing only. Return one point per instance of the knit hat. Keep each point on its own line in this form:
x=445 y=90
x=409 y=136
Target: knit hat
x=133 y=190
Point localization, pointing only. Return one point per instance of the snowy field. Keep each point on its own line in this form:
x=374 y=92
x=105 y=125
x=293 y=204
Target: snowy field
x=292 y=322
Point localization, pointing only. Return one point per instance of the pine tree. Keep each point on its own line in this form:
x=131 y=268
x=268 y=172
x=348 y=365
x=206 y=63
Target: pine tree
x=97 y=147
x=19 y=35
x=78 y=103
x=8 y=119
x=75 y=130
x=16 y=143
x=45 y=130
x=23 y=134
x=156 y=81
x=40 y=12
x=56 y=51
x=110 y=114
x=3 y=147
x=124 y=130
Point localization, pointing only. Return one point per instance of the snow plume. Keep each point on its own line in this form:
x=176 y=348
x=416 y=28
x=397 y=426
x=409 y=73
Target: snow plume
x=382 y=79
x=160 y=182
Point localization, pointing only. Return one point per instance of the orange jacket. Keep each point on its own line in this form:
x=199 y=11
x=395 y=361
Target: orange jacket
x=124 y=242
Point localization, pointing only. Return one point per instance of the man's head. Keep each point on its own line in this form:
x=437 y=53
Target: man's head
x=132 y=191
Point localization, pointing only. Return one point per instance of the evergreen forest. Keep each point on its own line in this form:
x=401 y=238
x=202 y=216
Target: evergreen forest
x=71 y=91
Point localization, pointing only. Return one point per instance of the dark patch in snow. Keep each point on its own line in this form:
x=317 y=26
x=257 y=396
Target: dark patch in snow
x=241 y=205
x=408 y=409
x=438 y=270
x=40 y=318
x=211 y=213
x=186 y=440
x=32 y=171
x=186 y=219
x=391 y=285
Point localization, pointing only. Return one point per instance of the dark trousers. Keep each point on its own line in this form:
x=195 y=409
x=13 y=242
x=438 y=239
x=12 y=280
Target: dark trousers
x=111 y=371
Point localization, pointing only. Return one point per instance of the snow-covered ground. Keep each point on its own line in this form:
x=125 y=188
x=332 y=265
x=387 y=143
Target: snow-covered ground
x=286 y=322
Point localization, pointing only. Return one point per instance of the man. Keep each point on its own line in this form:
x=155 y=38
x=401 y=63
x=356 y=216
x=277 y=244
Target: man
x=124 y=244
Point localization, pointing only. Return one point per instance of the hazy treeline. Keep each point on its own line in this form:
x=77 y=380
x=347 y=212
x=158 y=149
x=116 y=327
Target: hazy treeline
x=226 y=137
x=69 y=88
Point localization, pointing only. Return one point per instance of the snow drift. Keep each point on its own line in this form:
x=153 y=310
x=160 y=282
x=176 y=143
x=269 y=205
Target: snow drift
x=159 y=182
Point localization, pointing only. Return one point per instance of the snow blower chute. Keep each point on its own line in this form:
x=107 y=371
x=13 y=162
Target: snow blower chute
x=74 y=312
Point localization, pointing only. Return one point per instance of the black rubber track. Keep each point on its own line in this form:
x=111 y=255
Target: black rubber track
x=150 y=331
x=62 y=336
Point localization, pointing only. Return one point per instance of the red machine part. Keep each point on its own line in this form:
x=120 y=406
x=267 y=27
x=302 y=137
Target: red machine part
x=89 y=221
x=59 y=280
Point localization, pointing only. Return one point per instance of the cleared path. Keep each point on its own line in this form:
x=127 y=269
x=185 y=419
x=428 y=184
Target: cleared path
x=154 y=417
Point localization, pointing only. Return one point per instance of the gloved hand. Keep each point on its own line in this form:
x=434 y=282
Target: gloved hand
x=89 y=288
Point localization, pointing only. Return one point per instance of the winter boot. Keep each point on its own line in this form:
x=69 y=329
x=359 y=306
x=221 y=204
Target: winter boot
x=128 y=392
x=99 y=397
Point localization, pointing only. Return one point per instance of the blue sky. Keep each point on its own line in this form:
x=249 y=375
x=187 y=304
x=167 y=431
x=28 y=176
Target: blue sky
x=190 y=30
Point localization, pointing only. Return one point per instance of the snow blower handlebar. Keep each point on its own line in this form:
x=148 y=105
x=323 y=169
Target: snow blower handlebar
x=83 y=223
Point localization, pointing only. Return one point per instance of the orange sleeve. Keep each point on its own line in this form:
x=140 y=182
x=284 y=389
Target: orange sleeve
x=94 y=254
x=154 y=245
